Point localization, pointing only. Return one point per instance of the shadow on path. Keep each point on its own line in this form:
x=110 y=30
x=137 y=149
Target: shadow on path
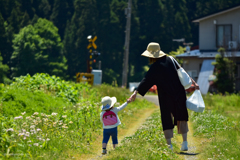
x=188 y=154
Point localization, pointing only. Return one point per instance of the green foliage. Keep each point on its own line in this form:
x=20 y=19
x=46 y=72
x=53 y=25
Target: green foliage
x=3 y=71
x=225 y=73
x=15 y=100
x=38 y=48
x=70 y=92
x=146 y=143
x=35 y=123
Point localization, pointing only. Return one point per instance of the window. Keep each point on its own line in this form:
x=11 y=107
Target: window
x=224 y=35
x=193 y=74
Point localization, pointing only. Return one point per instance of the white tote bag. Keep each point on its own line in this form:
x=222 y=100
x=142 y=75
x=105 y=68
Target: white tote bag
x=182 y=74
x=195 y=102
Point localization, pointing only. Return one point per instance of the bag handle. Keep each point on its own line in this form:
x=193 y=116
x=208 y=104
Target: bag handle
x=174 y=63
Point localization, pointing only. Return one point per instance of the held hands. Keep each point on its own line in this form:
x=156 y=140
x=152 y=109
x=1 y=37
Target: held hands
x=132 y=97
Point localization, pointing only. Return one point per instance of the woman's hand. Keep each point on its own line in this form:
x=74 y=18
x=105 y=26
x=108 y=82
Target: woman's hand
x=133 y=96
x=195 y=84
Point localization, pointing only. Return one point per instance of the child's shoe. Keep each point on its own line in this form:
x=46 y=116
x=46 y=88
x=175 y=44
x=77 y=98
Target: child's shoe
x=184 y=146
x=104 y=151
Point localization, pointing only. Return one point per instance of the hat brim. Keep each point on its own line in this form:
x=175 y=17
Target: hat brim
x=155 y=55
x=113 y=101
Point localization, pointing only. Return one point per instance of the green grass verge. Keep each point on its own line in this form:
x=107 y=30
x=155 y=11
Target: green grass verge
x=47 y=118
x=147 y=143
x=220 y=124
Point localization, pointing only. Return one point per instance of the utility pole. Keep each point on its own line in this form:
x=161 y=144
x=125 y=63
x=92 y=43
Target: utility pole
x=126 y=46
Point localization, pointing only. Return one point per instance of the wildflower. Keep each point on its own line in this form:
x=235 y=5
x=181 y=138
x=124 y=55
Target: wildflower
x=23 y=113
x=33 y=126
x=39 y=139
x=43 y=139
x=28 y=118
x=54 y=114
x=23 y=130
x=70 y=122
x=29 y=141
x=10 y=130
x=64 y=116
x=65 y=126
x=20 y=117
x=38 y=130
x=60 y=123
x=36 y=144
x=30 y=145
x=41 y=146
x=48 y=139
x=27 y=134
x=35 y=113
x=43 y=114
x=24 y=138
x=21 y=134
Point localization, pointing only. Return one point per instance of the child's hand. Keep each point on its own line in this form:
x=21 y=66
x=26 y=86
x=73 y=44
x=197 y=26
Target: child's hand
x=129 y=100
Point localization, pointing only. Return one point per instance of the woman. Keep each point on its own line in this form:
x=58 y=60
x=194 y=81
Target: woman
x=171 y=93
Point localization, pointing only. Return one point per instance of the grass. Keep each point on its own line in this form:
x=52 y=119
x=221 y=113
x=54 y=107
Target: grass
x=220 y=124
x=40 y=120
x=147 y=143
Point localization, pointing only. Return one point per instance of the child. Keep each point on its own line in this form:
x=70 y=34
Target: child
x=110 y=120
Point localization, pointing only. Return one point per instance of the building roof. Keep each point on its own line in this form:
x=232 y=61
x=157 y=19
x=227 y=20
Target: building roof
x=225 y=10
x=198 y=54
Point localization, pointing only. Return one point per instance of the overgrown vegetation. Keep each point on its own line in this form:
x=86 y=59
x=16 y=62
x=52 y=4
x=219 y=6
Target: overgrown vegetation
x=39 y=118
x=220 y=124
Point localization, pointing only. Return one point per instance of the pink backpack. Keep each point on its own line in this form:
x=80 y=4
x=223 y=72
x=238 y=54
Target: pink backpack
x=109 y=118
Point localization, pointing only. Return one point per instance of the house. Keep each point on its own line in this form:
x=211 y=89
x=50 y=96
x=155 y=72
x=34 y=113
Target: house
x=220 y=29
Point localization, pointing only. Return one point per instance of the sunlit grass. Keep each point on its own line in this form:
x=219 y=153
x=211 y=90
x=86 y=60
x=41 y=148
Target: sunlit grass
x=147 y=143
x=220 y=124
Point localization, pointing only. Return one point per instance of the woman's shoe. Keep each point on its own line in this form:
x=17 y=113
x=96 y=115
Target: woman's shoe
x=184 y=146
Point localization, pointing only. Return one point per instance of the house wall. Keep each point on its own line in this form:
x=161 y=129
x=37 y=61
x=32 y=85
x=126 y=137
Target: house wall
x=192 y=64
x=207 y=30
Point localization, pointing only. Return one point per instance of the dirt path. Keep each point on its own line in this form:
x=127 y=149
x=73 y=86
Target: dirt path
x=130 y=129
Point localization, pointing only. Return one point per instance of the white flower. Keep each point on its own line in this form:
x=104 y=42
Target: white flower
x=35 y=144
x=23 y=130
x=54 y=114
x=21 y=134
x=24 y=138
x=39 y=139
x=43 y=114
x=23 y=113
x=29 y=118
x=10 y=130
x=38 y=130
x=27 y=134
x=29 y=141
x=35 y=113
x=33 y=126
x=41 y=146
x=70 y=122
x=48 y=139
x=64 y=116
x=20 y=117
x=43 y=139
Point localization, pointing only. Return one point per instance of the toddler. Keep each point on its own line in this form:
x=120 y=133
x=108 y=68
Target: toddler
x=110 y=120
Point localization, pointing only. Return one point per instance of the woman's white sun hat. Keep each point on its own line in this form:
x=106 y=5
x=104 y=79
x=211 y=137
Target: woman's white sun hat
x=153 y=51
x=108 y=102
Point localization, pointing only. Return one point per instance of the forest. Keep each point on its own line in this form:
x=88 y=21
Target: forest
x=50 y=36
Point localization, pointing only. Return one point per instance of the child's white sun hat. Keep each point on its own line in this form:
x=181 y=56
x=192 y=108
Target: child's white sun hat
x=108 y=102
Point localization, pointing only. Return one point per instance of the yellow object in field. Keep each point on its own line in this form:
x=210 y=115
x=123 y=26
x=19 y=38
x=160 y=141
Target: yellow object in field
x=85 y=77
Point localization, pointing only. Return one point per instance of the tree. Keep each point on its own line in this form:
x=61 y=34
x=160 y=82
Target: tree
x=38 y=48
x=3 y=71
x=225 y=72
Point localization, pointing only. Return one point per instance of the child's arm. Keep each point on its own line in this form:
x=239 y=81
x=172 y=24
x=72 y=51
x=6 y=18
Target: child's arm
x=123 y=105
